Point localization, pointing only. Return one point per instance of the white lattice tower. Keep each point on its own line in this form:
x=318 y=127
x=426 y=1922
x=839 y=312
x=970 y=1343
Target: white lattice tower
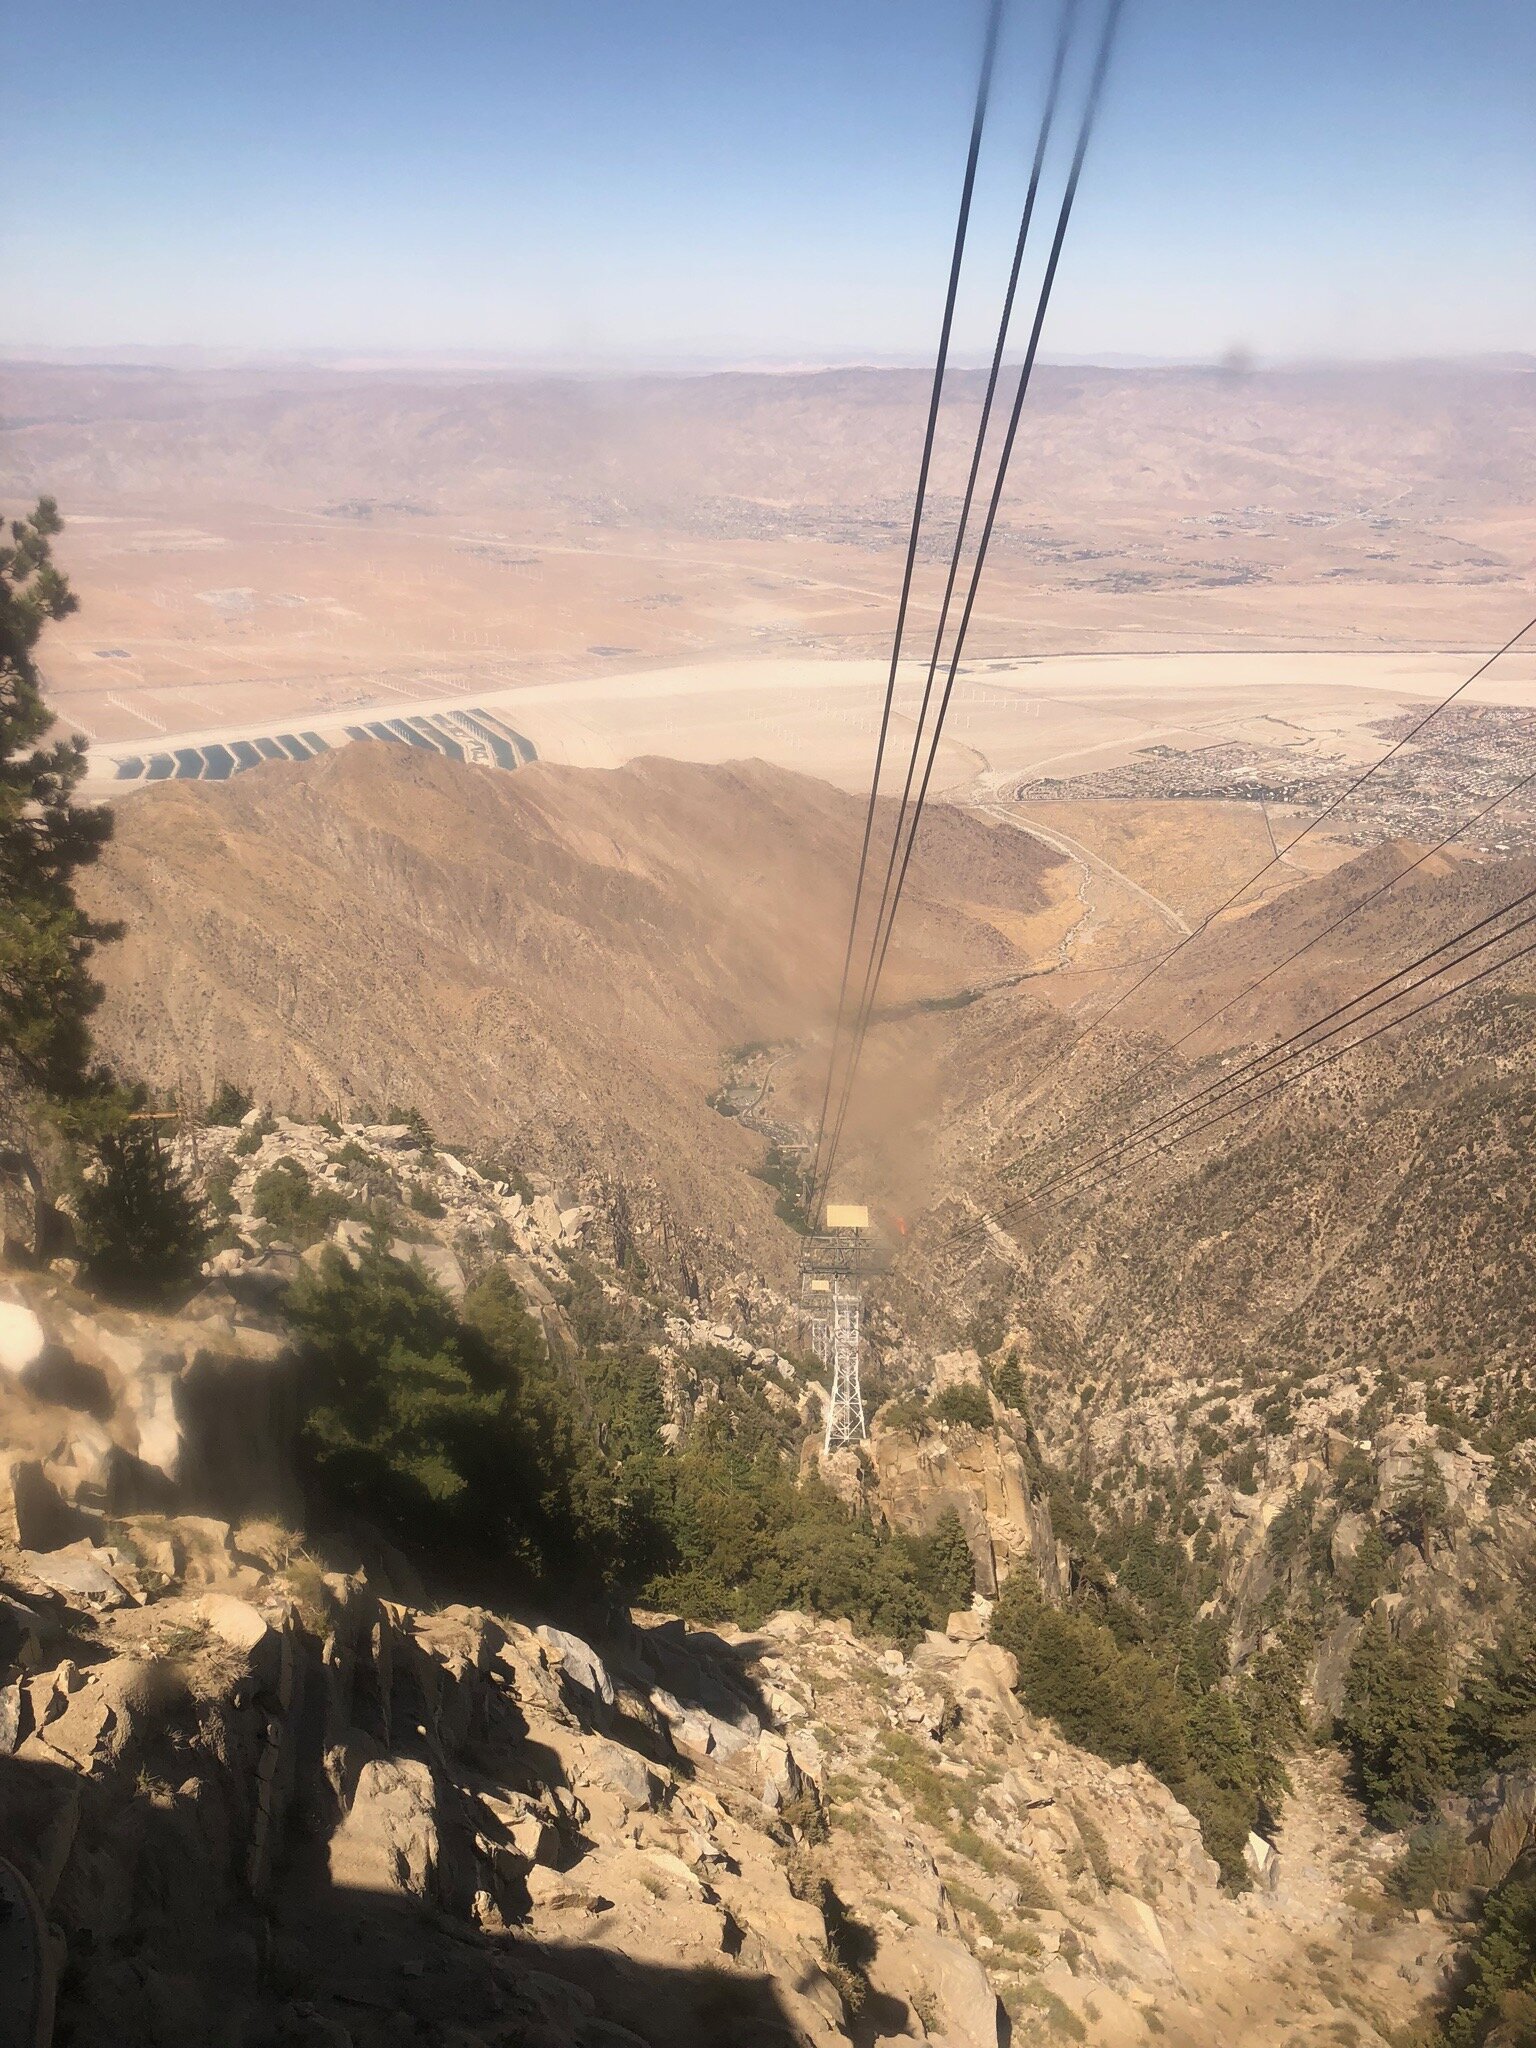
x=816 y=1313
x=845 y=1410
x=831 y=1304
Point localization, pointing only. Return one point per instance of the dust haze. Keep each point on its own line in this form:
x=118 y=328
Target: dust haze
x=706 y=565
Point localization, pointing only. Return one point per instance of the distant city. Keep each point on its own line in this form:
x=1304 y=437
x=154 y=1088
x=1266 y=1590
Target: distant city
x=1463 y=763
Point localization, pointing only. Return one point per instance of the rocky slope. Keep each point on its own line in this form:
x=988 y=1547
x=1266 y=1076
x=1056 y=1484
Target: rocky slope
x=1197 y=1403
x=266 y=1792
x=576 y=970
x=552 y=964
x=268 y=1804
x=1376 y=1209
x=264 y=1795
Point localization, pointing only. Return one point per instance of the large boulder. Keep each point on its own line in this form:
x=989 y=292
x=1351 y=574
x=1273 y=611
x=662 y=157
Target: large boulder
x=439 y=1264
x=234 y=1621
x=390 y=1839
x=1348 y=1535
x=149 y=1402
x=95 y=1578
x=1508 y=1829
x=698 y=1733
x=620 y=1771
x=985 y=1682
x=84 y=1467
x=1262 y=1861
x=84 y=1732
x=351 y=1239
x=781 y=1774
x=935 y=1973
x=982 y=1477
x=257 y=1279
x=24 y=1632
x=33 y=1514
x=23 y=1340
x=578 y=1662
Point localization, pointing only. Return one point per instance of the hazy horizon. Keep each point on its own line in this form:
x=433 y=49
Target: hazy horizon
x=363 y=360
x=669 y=183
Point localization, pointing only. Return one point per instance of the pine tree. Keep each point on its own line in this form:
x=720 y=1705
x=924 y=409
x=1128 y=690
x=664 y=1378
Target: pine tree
x=1496 y=2000
x=949 y=1570
x=46 y=993
x=1224 y=1788
x=965 y=1403
x=1017 y=1613
x=228 y=1106
x=1421 y=1505
x=1008 y=1384
x=1355 y=1481
x=140 y=1226
x=1495 y=1720
x=1366 y=1574
x=1395 y=1721
x=1219 y=1746
x=1072 y=1670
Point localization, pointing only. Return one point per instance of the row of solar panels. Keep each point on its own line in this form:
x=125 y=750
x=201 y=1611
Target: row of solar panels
x=461 y=735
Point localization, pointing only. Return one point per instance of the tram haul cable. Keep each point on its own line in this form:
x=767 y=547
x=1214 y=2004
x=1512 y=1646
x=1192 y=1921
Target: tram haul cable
x=1047 y=121
x=1257 y=1067
x=1138 y=1129
x=941 y=361
x=882 y=940
x=1055 y=1191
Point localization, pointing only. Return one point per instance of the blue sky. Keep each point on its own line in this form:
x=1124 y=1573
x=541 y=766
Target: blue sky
x=614 y=180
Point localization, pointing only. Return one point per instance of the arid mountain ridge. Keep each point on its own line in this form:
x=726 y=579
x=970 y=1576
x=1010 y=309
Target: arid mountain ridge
x=652 y=1831
x=649 y=447
x=1372 y=1218
x=564 y=964
x=551 y=964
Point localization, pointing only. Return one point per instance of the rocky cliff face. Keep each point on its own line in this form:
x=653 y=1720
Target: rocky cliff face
x=117 y=1413
x=264 y=1795
x=1281 y=1487
x=264 y=1802
x=983 y=1476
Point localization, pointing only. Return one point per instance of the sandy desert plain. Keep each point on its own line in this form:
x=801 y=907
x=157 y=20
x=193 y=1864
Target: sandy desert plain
x=706 y=567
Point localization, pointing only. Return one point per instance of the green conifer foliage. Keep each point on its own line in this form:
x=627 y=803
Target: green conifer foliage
x=46 y=993
x=1496 y=2001
x=1395 y=1723
x=1494 y=1726
x=1148 y=1687
x=1008 y=1384
x=141 y=1227
x=446 y=1430
x=1421 y=1506
x=948 y=1568
x=965 y=1404
x=229 y=1105
x=1367 y=1572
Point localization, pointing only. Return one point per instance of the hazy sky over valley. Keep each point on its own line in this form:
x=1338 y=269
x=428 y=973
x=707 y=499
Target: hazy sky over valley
x=613 y=180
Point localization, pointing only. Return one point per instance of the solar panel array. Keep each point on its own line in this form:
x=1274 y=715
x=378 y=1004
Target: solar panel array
x=474 y=735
